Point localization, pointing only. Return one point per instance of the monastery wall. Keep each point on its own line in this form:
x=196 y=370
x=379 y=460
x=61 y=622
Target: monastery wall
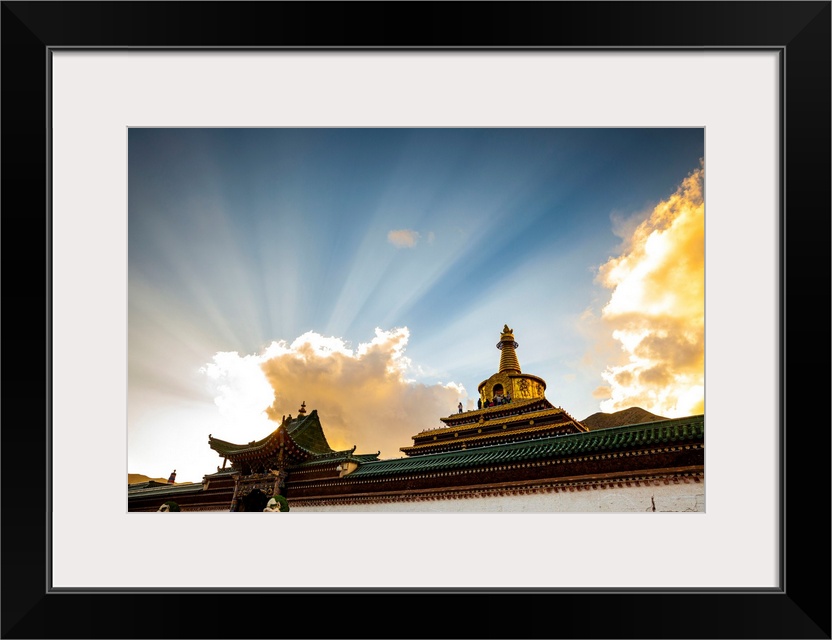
x=670 y=498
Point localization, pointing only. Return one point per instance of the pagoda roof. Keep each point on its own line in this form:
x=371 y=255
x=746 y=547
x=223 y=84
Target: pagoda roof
x=480 y=439
x=690 y=429
x=307 y=433
x=512 y=413
x=526 y=419
x=304 y=431
x=496 y=412
x=230 y=450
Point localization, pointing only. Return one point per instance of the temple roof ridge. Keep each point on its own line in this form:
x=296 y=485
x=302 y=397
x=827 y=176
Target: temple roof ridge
x=347 y=455
x=514 y=404
x=233 y=447
x=305 y=432
x=660 y=433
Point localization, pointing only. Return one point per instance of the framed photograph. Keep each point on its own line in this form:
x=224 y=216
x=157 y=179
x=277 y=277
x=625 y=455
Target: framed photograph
x=109 y=106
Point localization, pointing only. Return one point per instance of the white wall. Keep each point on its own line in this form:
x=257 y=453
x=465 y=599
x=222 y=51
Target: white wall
x=670 y=498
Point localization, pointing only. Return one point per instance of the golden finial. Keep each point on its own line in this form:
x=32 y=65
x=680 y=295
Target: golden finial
x=508 y=357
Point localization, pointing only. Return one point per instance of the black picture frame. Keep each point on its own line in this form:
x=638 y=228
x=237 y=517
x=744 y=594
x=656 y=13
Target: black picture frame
x=800 y=608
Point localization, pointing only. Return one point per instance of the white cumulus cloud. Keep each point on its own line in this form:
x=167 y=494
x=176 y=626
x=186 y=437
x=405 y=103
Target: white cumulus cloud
x=363 y=395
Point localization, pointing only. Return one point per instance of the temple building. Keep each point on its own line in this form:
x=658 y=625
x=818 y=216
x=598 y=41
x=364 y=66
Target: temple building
x=512 y=408
x=516 y=452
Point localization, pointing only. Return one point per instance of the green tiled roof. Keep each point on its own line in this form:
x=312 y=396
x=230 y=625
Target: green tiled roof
x=222 y=472
x=306 y=432
x=339 y=456
x=225 y=448
x=164 y=491
x=366 y=457
x=688 y=429
x=144 y=485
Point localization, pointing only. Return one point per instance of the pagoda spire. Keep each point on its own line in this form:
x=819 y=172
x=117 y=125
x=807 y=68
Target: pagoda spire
x=508 y=357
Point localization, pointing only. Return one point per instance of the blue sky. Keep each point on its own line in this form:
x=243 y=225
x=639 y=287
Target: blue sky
x=244 y=238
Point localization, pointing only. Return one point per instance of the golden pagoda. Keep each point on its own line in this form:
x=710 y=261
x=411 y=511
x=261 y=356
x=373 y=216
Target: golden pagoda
x=509 y=382
x=512 y=407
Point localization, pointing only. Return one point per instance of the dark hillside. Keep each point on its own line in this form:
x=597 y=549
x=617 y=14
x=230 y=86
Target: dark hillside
x=633 y=415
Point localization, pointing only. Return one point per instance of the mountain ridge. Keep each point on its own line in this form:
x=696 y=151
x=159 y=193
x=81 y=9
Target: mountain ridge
x=633 y=415
x=133 y=478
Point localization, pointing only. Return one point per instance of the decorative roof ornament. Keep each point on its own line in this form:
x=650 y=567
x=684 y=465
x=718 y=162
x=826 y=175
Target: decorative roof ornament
x=508 y=357
x=302 y=409
x=277 y=504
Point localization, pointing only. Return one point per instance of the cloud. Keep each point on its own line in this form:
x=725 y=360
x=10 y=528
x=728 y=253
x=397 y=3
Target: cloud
x=363 y=396
x=601 y=393
x=403 y=238
x=241 y=391
x=656 y=312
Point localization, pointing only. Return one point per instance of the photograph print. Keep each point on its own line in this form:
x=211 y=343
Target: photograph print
x=400 y=320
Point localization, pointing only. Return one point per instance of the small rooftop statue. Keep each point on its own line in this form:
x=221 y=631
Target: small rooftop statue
x=172 y=477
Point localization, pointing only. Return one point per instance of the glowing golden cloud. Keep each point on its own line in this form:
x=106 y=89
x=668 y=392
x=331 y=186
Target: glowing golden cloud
x=601 y=393
x=402 y=238
x=362 y=395
x=657 y=308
